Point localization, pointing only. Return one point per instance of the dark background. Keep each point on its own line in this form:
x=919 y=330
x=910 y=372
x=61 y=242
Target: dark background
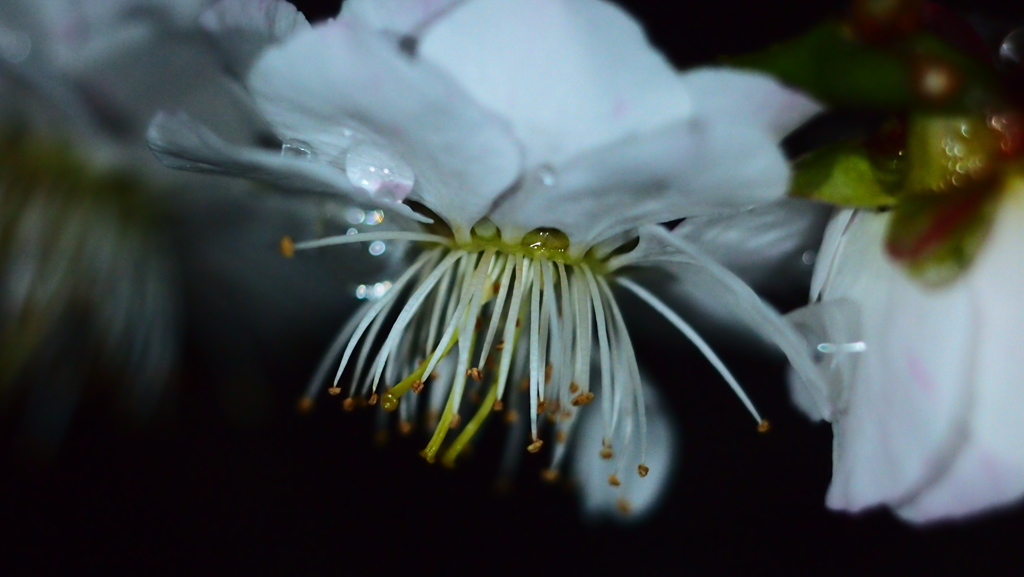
x=209 y=488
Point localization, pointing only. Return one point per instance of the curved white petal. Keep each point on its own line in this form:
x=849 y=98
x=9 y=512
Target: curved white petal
x=570 y=75
x=636 y=496
x=341 y=83
x=761 y=244
x=989 y=471
x=401 y=17
x=749 y=98
x=909 y=398
x=694 y=167
x=243 y=29
x=180 y=142
x=658 y=247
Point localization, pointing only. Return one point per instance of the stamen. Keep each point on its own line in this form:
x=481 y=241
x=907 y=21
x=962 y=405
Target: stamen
x=364 y=237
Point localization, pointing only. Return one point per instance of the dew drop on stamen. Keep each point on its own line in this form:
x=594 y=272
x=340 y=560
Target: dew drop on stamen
x=379 y=172
x=296 y=149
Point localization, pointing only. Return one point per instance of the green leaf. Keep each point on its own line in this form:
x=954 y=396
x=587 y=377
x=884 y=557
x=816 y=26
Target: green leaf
x=842 y=174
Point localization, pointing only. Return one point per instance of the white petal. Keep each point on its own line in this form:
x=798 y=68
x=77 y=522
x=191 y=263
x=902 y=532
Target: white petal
x=989 y=471
x=690 y=168
x=908 y=402
x=570 y=75
x=749 y=98
x=764 y=245
x=243 y=29
x=640 y=494
x=342 y=83
x=398 y=16
x=831 y=245
x=658 y=247
x=180 y=142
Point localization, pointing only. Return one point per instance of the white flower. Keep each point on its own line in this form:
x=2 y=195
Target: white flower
x=924 y=383
x=528 y=145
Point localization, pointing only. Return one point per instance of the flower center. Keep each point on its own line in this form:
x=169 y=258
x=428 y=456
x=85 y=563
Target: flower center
x=465 y=322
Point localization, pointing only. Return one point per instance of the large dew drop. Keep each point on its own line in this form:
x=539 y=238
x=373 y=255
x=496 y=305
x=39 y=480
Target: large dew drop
x=379 y=172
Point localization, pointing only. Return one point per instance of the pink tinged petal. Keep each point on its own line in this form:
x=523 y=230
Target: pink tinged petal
x=689 y=168
x=402 y=17
x=908 y=402
x=749 y=98
x=989 y=471
x=244 y=28
x=182 y=143
x=638 y=495
x=570 y=75
x=341 y=84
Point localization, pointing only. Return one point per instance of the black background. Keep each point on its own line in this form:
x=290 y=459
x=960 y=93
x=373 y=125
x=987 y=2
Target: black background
x=202 y=491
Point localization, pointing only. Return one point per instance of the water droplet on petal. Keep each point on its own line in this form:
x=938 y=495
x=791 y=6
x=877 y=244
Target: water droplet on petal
x=379 y=172
x=296 y=149
x=355 y=215
x=14 y=46
x=377 y=248
x=547 y=175
x=1011 y=51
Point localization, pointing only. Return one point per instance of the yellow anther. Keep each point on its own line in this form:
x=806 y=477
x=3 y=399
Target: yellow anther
x=304 y=405
x=764 y=426
x=574 y=388
x=334 y=390
x=582 y=399
x=475 y=374
x=541 y=405
x=511 y=416
x=549 y=475
x=535 y=446
x=498 y=405
x=417 y=386
x=623 y=506
x=348 y=404
x=373 y=399
x=455 y=422
x=499 y=346
x=404 y=427
x=287 y=247
x=606 y=453
x=613 y=480
x=642 y=470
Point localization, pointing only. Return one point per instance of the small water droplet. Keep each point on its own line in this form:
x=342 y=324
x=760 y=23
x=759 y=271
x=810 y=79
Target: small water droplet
x=374 y=217
x=352 y=230
x=14 y=46
x=377 y=248
x=809 y=257
x=377 y=171
x=1011 y=51
x=296 y=149
x=361 y=291
x=547 y=175
x=355 y=215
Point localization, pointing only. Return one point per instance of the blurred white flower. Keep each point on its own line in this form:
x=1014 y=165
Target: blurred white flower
x=532 y=148
x=924 y=384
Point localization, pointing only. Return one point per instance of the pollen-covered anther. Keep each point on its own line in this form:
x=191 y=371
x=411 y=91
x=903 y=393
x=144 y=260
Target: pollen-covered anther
x=642 y=470
x=287 y=247
x=550 y=475
x=455 y=422
x=764 y=426
x=574 y=388
x=535 y=446
x=475 y=374
x=373 y=399
x=349 y=404
x=623 y=505
x=606 y=453
x=511 y=417
x=404 y=427
x=304 y=405
x=500 y=346
x=582 y=399
x=433 y=374
x=498 y=406
x=334 y=390
x=417 y=386
x=613 y=480
x=541 y=406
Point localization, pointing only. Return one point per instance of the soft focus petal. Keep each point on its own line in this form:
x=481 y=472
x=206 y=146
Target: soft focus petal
x=909 y=400
x=636 y=496
x=243 y=29
x=989 y=470
x=180 y=142
x=749 y=98
x=761 y=244
x=569 y=75
x=401 y=17
x=690 y=168
x=341 y=84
